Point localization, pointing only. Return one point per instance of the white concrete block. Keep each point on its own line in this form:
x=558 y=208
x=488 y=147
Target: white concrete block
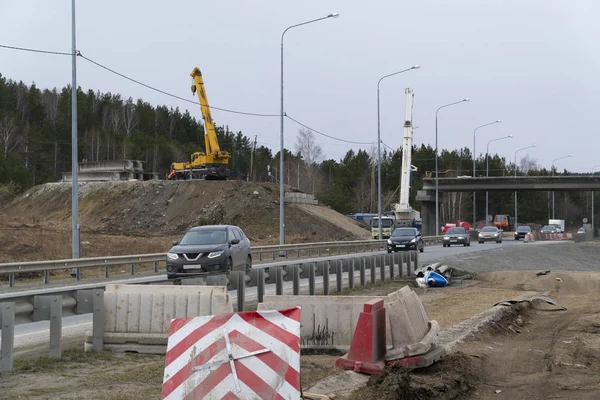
x=326 y=322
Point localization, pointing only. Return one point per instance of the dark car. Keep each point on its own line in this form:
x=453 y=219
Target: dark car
x=456 y=236
x=490 y=233
x=521 y=232
x=209 y=250
x=405 y=239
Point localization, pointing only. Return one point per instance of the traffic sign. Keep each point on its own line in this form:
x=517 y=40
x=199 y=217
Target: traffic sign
x=246 y=355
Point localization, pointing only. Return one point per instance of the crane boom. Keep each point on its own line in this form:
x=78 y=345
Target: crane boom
x=405 y=215
x=212 y=163
x=407 y=142
x=210 y=134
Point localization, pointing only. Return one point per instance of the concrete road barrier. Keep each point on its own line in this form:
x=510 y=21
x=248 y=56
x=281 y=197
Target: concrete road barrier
x=137 y=318
x=412 y=333
x=327 y=322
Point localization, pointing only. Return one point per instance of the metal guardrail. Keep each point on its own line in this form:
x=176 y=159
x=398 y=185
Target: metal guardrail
x=275 y=251
x=55 y=303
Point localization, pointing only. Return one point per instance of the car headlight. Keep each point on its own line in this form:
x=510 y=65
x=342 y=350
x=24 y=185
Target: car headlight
x=413 y=240
x=495 y=234
x=214 y=254
x=172 y=256
x=481 y=235
x=446 y=237
x=389 y=241
x=461 y=237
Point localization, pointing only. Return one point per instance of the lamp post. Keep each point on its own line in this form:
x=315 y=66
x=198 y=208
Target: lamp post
x=487 y=171
x=437 y=198
x=593 y=227
x=379 y=147
x=281 y=186
x=518 y=150
x=555 y=160
x=474 y=157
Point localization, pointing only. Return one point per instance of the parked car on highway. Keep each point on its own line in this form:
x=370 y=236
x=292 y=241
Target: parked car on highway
x=549 y=229
x=209 y=250
x=456 y=236
x=581 y=230
x=405 y=239
x=490 y=233
x=521 y=231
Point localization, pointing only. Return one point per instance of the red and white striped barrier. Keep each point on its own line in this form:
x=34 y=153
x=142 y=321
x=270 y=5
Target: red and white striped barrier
x=246 y=355
x=533 y=237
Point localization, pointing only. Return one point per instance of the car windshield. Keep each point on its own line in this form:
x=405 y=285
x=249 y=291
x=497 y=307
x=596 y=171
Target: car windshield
x=489 y=229
x=456 y=230
x=548 y=227
x=404 y=232
x=386 y=223
x=523 y=229
x=205 y=236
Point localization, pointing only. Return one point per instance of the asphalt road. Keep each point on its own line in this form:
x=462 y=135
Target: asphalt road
x=34 y=337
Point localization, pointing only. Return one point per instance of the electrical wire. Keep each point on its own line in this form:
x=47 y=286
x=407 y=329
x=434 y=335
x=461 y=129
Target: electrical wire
x=35 y=50
x=170 y=94
x=326 y=135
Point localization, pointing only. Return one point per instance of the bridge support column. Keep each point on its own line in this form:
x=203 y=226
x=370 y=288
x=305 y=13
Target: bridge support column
x=427 y=200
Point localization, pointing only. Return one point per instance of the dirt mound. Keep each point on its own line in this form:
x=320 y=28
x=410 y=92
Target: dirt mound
x=163 y=208
x=451 y=378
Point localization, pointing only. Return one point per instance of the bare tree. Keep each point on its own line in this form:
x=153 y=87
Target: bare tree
x=22 y=101
x=312 y=155
x=8 y=135
x=527 y=163
x=130 y=116
x=50 y=101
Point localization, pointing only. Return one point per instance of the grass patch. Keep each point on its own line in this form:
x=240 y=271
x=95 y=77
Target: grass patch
x=45 y=363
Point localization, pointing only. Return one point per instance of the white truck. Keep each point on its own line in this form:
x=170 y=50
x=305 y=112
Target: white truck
x=559 y=223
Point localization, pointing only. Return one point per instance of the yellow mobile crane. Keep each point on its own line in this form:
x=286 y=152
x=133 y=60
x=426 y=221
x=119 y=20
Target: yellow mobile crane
x=214 y=163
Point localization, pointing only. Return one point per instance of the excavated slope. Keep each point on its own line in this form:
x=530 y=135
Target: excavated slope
x=159 y=208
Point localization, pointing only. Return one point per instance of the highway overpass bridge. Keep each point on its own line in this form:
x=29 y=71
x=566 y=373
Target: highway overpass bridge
x=497 y=184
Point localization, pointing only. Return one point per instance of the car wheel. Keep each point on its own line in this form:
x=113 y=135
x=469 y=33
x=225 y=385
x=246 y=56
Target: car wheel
x=465 y=245
x=469 y=244
x=229 y=265
x=389 y=251
x=480 y=242
x=249 y=263
x=422 y=249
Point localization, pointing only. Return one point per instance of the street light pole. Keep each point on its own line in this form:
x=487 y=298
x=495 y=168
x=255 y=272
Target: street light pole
x=379 y=212
x=555 y=160
x=281 y=186
x=487 y=171
x=593 y=227
x=474 y=157
x=74 y=155
x=518 y=150
x=437 y=198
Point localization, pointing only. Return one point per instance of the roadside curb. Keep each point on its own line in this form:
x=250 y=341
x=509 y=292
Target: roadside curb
x=452 y=337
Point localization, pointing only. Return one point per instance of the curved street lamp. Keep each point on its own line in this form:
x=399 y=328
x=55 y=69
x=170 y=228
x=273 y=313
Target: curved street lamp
x=487 y=171
x=555 y=160
x=379 y=147
x=518 y=150
x=281 y=187
x=474 y=158
x=437 y=199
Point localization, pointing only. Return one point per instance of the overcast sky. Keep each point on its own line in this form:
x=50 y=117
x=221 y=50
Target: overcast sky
x=531 y=63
